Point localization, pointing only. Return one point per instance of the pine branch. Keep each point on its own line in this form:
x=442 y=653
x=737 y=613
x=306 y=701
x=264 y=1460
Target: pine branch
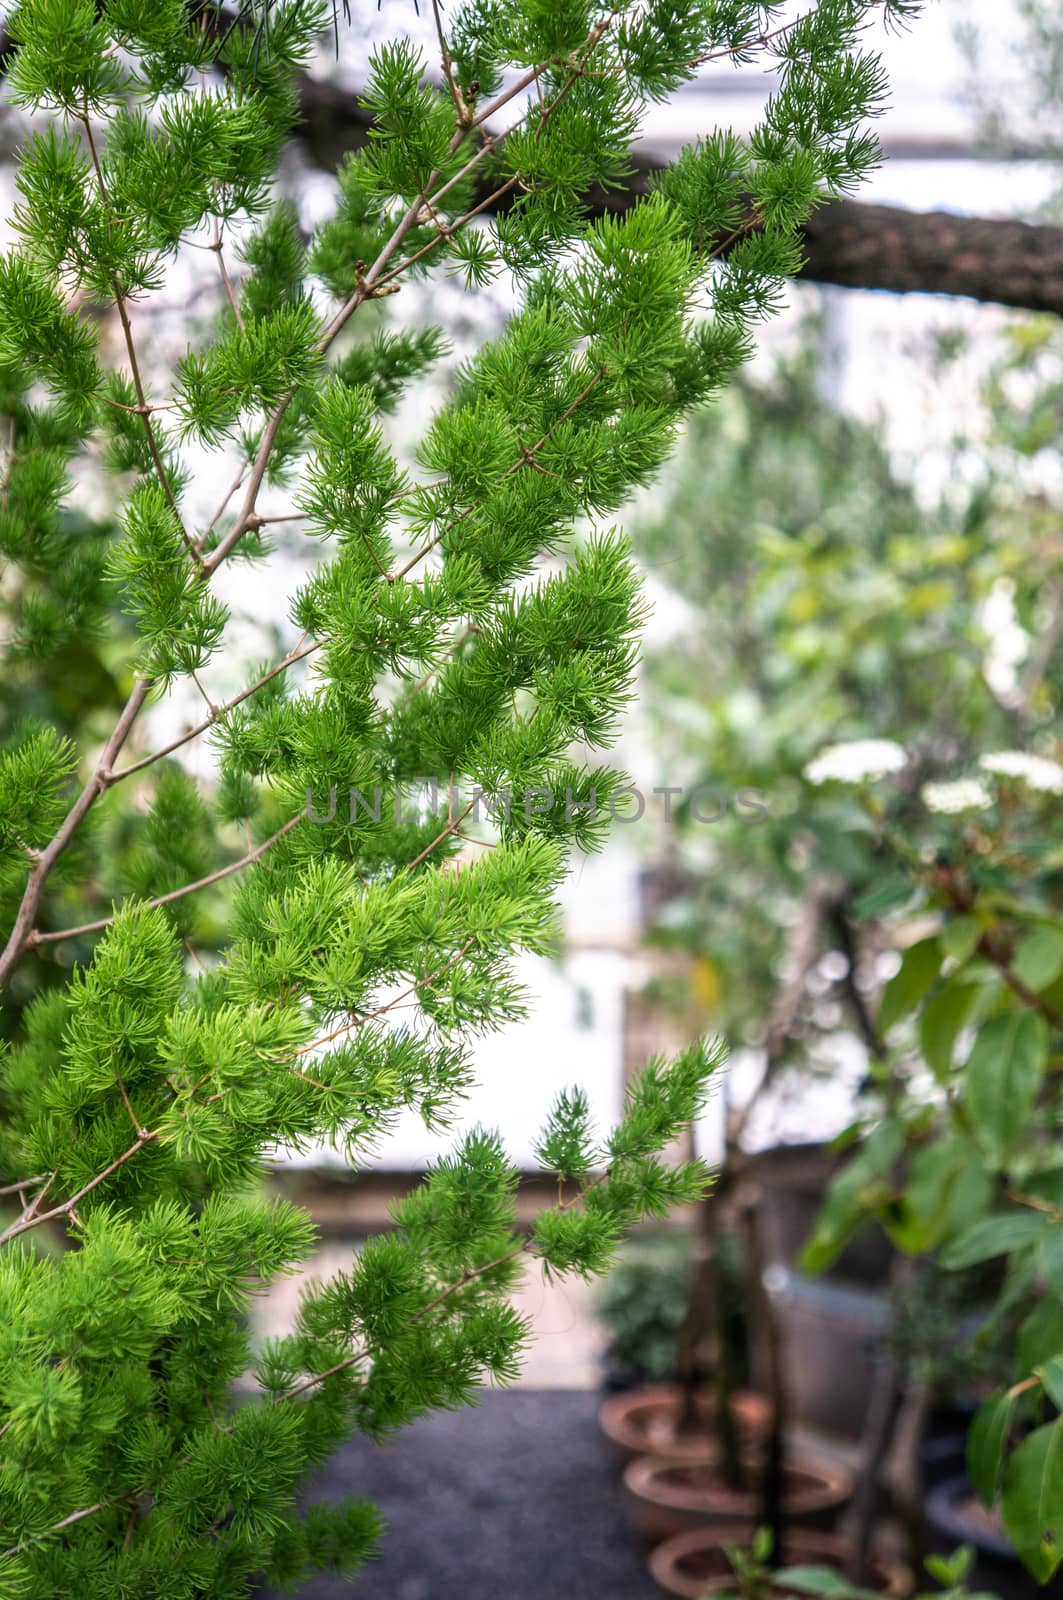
x=298 y=653
x=382 y=1011
x=245 y=521
x=323 y=958
x=526 y=458
x=469 y=1275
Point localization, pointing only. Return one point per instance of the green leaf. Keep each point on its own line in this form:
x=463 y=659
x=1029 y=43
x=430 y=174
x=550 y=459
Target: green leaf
x=1051 y=1375
x=987 y=1440
x=919 y=967
x=1046 y=1185
x=887 y=896
x=848 y=1196
x=1039 y=959
x=940 y=1021
x=1041 y=1335
x=951 y=1571
x=1002 y=1076
x=1032 y=1503
x=960 y=936
x=1050 y=1258
x=993 y=1236
x=821 y=1580
x=763 y=1544
x=948 y=1187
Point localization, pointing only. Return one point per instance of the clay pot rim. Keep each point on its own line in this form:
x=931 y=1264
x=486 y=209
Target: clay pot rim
x=942 y=1507
x=642 y=1480
x=614 y=1412
x=665 y=1556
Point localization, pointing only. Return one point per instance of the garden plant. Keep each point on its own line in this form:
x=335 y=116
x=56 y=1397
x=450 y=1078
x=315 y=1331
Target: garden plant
x=198 y=970
x=958 y=1155
x=854 y=612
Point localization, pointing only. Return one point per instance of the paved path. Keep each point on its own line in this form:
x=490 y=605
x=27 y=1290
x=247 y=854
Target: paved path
x=515 y=1499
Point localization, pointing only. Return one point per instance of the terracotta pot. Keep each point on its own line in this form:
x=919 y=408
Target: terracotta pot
x=668 y=1495
x=695 y=1565
x=643 y=1421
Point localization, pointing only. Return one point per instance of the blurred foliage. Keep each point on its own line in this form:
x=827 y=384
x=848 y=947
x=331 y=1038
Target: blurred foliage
x=643 y=1302
x=646 y=1298
x=1020 y=108
x=828 y=604
x=888 y=672
x=958 y=1155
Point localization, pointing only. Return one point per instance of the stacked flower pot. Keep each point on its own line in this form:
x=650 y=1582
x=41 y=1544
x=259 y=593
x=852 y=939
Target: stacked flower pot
x=687 y=1512
x=693 y=1502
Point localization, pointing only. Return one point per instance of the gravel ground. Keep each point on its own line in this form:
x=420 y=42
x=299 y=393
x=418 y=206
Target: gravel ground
x=515 y=1499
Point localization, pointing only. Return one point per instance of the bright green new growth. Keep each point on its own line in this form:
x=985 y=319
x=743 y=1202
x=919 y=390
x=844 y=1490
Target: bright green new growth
x=143 y=1098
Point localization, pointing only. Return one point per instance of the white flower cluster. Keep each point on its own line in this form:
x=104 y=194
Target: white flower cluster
x=1036 y=772
x=856 y=761
x=957 y=795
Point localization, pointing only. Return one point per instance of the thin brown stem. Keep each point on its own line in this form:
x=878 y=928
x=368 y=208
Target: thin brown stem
x=230 y=292
x=24 y=1224
x=66 y=1522
x=447 y=62
x=251 y=857
x=447 y=232
x=988 y=947
x=46 y=859
x=297 y=654
x=24 y=1183
x=138 y=1127
x=451 y=827
x=371 y=1016
x=143 y=409
x=223 y=507
x=9 y=461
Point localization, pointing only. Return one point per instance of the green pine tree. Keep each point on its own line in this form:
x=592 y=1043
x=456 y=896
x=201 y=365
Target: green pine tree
x=141 y=1097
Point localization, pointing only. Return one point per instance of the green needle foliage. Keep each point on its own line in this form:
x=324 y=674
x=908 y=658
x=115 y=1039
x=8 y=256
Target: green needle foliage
x=142 y=1097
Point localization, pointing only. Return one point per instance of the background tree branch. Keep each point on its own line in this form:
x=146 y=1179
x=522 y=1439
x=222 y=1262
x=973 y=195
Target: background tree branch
x=848 y=243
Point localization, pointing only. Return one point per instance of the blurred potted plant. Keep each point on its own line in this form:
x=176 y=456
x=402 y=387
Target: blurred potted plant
x=646 y=1305
x=849 y=608
x=729 y=1459
x=736 y=1561
x=825 y=600
x=642 y=1305
x=960 y=1159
